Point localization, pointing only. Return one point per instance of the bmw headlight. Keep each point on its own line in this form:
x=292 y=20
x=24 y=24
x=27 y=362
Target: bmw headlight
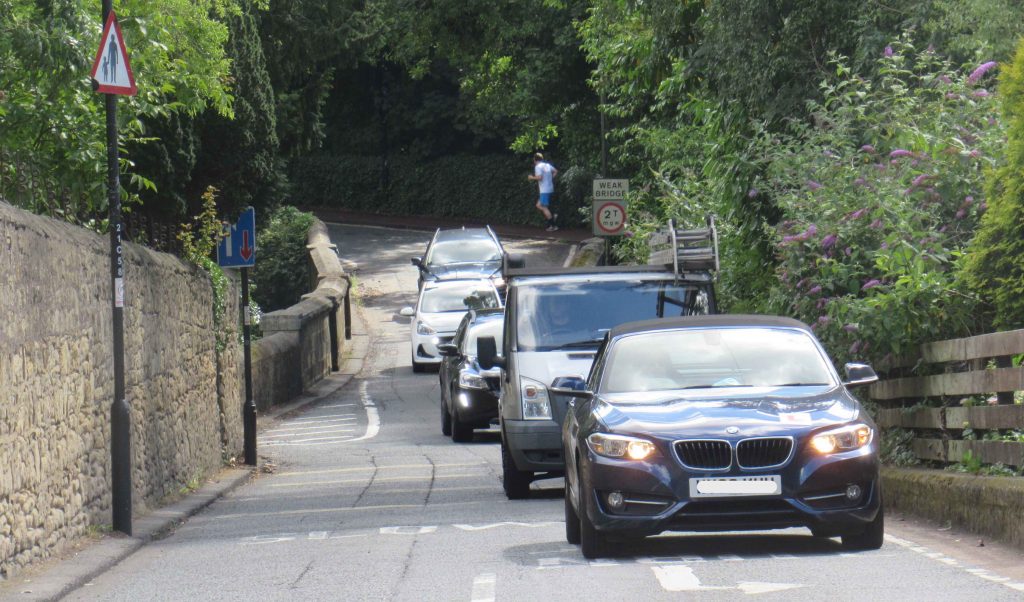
x=469 y=380
x=422 y=328
x=620 y=446
x=853 y=436
x=536 y=404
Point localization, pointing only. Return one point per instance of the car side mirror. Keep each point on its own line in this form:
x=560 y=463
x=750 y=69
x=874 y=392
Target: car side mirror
x=487 y=353
x=570 y=386
x=408 y=312
x=859 y=374
x=416 y=261
x=448 y=350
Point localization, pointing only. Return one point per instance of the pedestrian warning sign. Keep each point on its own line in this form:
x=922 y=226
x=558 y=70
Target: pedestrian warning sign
x=111 y=70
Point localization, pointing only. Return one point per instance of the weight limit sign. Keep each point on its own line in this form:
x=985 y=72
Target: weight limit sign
x=609 y=218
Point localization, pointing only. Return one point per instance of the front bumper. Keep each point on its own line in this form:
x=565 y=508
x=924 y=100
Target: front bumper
x=535 y=445
x=658 y=496
x=476 y=406
x=424 y=346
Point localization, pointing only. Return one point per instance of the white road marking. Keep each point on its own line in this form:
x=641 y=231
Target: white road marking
x=319 y=420
x=274 y=442
x=318 y=535
x=372 y=418
x=939 y=557
x=332 y=441
x=310 y=428
x=680 y=578
x=383 y=467
x=483 y=588
x=408 y=530
x=425 y=478
x=729 y=557
x=263 y=539
x=337 y=405
x=506 y=524
x=319 y=431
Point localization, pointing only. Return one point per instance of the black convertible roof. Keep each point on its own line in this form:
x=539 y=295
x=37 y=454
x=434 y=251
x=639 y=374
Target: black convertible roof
x=715 y=320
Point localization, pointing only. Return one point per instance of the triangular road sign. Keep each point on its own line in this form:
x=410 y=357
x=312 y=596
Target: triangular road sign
x=111 y=70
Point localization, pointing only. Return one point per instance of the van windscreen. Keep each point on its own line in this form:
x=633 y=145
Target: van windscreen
x=577 y=314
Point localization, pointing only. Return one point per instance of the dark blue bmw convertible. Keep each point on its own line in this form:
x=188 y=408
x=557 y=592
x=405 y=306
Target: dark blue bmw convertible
x=718 y=423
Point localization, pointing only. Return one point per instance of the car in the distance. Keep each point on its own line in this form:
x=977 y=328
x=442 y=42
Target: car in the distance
x=469 y=394
x=718 y=423
x=461 y=254
x=439 y=309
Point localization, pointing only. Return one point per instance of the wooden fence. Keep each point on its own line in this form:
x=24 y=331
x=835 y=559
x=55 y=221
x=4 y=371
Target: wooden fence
x=979 y=369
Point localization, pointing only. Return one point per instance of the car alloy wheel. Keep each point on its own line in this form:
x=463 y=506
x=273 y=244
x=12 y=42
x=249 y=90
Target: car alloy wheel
x=515 y=482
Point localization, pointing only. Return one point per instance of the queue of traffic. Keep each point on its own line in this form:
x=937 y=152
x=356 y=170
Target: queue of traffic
x=660 y=414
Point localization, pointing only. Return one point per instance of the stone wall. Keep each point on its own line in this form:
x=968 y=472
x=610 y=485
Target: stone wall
x=301 y=344
x=56 y=381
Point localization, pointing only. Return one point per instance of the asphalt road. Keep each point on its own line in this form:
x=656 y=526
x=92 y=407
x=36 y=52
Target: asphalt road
x=362 y=498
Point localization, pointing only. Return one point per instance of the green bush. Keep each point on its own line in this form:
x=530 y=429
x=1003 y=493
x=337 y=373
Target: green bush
x=993 y=266
x=487 y=188
x=880 y=197
x=281 y=275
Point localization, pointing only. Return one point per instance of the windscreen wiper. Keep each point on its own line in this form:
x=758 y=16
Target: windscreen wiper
x=579 y=344
x=711 y=386
x=802 y=385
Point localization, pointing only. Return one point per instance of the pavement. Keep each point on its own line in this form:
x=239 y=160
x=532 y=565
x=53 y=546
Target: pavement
x=428 y=222
x=94 y=555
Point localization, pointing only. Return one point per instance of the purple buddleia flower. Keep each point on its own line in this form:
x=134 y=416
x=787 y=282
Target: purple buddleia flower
x=867 y=148
x=822 y=302
x=952 y=96
x=848 y=251
x=858 y=213
x=900 y=152
x=884 y=245
x=945 y=79
x=870 y=284
x=752 y=193
x=813 y=185
x=811 y=230
x=815 y=290
x=921 y=179
x=824 y=320
x=983 y=93
x=829 y=241
x=877 y=224
x=854 y=347
x=860 y=182
x=881 y=166
x=888 y=51
x=851 y=327
x=974 y=154
x=961 y=214
x=788 y=239
x=968 y=200
x=980 y=72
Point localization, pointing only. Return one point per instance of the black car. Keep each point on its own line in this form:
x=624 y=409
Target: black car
x=718 y=423
x=461 y=254
x=469 y=394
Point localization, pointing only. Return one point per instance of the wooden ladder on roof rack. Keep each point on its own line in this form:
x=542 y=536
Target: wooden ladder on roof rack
x=685 y=250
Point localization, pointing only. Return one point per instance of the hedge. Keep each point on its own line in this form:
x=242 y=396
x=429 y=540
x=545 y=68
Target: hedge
x=491 y=188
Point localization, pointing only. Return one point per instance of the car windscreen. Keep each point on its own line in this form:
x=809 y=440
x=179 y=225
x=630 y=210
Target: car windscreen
x=715 y=357
x=490 y=328
x=473 y=250
x=577 y=314
x=457 y=298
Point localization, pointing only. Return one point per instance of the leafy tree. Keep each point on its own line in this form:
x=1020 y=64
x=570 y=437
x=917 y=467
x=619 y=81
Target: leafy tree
x=51 y=123
x=993 y=267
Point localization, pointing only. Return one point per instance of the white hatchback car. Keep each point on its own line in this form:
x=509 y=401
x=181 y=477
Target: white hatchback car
x=440 y=308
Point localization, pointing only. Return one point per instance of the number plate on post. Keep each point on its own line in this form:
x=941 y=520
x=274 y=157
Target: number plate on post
x=735 y=486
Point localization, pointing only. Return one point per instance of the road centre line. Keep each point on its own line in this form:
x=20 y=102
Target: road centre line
x=384 y=467
x=484 y=586
x=381 y=480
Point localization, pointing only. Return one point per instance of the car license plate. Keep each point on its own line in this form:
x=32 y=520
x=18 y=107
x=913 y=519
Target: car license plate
x=735 y=486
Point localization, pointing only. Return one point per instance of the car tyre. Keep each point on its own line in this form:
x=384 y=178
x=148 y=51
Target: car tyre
x=572 y=520
x=515 y=482
x=446 y=420
x=418 y=367
x=460 y=431
x=593 y=543
x=870 y=538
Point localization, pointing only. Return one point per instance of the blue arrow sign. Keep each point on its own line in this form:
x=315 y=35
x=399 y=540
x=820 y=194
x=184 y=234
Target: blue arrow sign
x=237 y=248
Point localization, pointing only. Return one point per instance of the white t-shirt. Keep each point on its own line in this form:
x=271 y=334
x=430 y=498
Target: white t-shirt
x=545 y=172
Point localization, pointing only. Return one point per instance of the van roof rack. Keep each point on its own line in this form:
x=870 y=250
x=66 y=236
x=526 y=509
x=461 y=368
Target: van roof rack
x=685 y=250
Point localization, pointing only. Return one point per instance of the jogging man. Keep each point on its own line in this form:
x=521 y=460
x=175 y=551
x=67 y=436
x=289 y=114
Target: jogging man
x=544 y=174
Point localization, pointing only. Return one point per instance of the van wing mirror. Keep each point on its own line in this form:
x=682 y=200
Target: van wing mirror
x=487 y=353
